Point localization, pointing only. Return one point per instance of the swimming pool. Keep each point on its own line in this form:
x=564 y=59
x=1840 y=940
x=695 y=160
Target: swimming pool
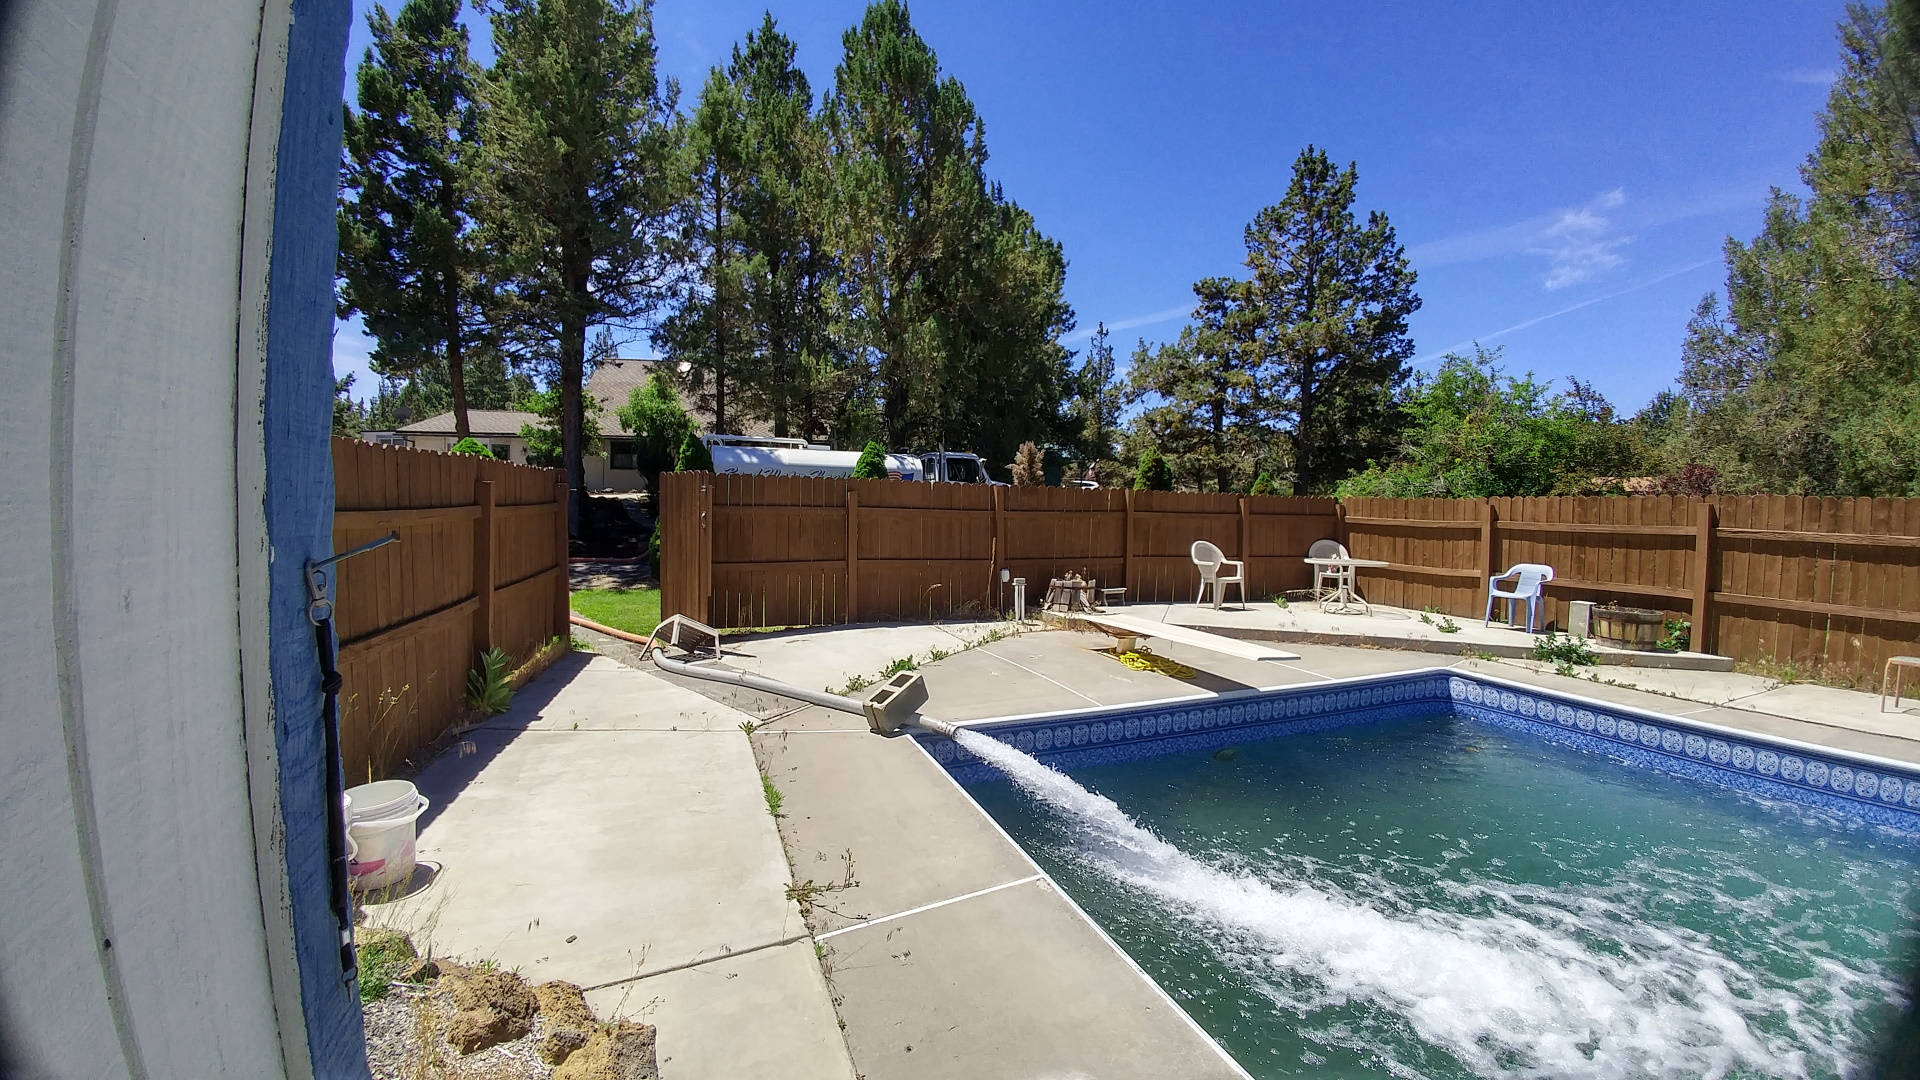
x=1436 y=875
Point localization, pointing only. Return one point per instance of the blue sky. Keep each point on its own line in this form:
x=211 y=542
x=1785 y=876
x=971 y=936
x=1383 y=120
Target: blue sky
x=1562 y=176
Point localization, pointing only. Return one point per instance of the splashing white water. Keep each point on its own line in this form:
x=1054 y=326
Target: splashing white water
x=1506 y=995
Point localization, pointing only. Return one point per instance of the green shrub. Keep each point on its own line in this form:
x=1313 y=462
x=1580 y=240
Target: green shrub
x=872 y=464
x=694 y=455
x=487 y=688
x=1154 y=473
x=1679 y=636
x=471 y=445
x=1262 y=485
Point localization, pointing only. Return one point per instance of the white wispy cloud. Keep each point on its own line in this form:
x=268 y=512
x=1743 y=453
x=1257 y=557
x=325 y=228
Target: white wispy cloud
x=1134 y=322
x=1810 y=76
x=1578 y=242
x=1427 y=358
x=1582 y=243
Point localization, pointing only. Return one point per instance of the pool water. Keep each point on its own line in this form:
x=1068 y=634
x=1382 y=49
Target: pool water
x=1439 y=898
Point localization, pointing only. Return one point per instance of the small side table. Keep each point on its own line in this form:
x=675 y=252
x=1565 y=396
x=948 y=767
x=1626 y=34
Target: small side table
x=1896 y=668
x=1114 y=597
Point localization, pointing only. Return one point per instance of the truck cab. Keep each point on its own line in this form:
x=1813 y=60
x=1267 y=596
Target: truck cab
x=950 y=468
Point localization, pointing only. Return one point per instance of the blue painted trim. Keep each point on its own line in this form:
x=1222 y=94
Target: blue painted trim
x=299 y=505
x=1876 y=792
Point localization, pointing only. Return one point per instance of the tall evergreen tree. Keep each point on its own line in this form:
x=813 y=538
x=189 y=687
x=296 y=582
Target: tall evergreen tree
x=1204 y=402
x=908 y=153
x=407 y=259
x=581 y=186
x=1100 y=397
x=711 y=330
x=1333 y=297
x=1807 y=381
x=788 y=265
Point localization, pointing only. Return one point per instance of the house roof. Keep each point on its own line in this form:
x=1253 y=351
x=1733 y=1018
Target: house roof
x=479 y=421
x=611 y=384
x=614 y=381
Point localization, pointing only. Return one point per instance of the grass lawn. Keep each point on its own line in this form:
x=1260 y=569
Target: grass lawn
x=637 y=611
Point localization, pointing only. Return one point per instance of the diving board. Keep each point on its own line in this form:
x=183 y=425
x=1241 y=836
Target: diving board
x=1128 y=627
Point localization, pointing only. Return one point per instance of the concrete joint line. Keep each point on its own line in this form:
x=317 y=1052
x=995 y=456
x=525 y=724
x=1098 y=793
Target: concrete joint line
x=1036 y=674
x=928 y=907
x=788 y=940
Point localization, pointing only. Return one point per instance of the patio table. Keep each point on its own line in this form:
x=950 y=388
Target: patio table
x=1344 y=599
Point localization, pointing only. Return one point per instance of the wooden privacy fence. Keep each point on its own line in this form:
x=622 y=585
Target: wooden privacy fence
x=1829 y=584
x=805 y=551
x=1832 y=585
x=482 y=561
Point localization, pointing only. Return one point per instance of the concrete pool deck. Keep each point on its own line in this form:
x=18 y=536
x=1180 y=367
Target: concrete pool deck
x=624 y=810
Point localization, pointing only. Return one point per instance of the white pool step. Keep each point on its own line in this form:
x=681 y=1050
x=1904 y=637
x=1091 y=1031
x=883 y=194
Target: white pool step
x=1131 y=626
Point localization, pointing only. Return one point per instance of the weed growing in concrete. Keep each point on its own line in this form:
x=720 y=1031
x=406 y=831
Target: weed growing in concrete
x=772 y=793
x=1447 y=625
x=579 y=644
x=489 y=689
x=749 y=727
x=904 y=663
x=1568 y=650
x=808 y=893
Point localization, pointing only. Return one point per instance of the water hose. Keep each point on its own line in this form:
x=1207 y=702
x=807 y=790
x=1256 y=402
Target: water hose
x=745 y=679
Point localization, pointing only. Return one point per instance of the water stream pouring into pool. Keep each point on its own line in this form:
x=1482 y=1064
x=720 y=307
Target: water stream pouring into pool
x=1505 y=995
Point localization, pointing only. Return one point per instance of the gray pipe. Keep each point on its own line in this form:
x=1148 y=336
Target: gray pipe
x=758 y=682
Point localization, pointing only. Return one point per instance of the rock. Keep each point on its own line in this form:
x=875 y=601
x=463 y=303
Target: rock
x=490 y=1007
x=622 y=1051
x=558 y=1045
x=568 y=1020
x=421 y=971
x=562 y=1005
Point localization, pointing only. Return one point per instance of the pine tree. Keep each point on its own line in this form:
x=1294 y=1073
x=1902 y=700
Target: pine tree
x=1807 y=380
x=710 y=331
x=1204 y=401
x=908 y=153
x=581 y=184
x=1100 y=397
x=1262 y=485
x=1332 y=298
x=408 y=262
x=788 y=268
x=1029 y=470
x=872 y=464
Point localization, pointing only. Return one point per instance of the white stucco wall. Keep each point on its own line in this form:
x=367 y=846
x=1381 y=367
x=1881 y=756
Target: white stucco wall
x=132 y=936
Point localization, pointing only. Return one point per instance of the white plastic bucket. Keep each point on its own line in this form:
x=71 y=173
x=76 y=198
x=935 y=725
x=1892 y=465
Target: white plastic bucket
x=380 y=832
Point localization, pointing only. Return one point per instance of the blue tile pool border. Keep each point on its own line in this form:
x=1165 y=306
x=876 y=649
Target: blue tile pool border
x=1873 y=790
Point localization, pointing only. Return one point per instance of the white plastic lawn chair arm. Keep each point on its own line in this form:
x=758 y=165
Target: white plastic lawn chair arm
x=1239 y=565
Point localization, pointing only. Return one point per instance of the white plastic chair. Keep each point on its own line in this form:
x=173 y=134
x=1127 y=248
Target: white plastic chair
x=1211 y=560
x=1528 y=582
x=1338 y=575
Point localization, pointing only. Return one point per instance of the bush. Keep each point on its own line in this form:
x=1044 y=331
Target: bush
x=1029 y=469
x=489 y=690
x=471 y=445
x=1154 y=473
x=694 y=455
x=872 y=464
x=1262 y=485
x=1564 y=650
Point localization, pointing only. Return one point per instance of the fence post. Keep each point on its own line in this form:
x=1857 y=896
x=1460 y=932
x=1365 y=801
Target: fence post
x=999 y=541
x=483 y=565
x=853 y=554
x=1489 y=551
x=1703 y=580
x=1126 y=552
x=562 y=584
x=1246 y=548
x=1340 y=523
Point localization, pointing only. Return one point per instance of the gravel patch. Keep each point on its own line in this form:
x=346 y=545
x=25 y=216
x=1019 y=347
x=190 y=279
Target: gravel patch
x=406 y=1040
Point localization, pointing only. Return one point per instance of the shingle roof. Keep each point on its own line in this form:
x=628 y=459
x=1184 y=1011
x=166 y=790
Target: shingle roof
x=479 y=421
x=611 y=384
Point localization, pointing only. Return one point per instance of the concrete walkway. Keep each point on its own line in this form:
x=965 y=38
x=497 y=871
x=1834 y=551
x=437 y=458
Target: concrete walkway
x=610 y=830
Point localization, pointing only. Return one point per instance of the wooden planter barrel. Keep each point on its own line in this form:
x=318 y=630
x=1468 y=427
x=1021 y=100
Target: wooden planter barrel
x=1640 y=629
